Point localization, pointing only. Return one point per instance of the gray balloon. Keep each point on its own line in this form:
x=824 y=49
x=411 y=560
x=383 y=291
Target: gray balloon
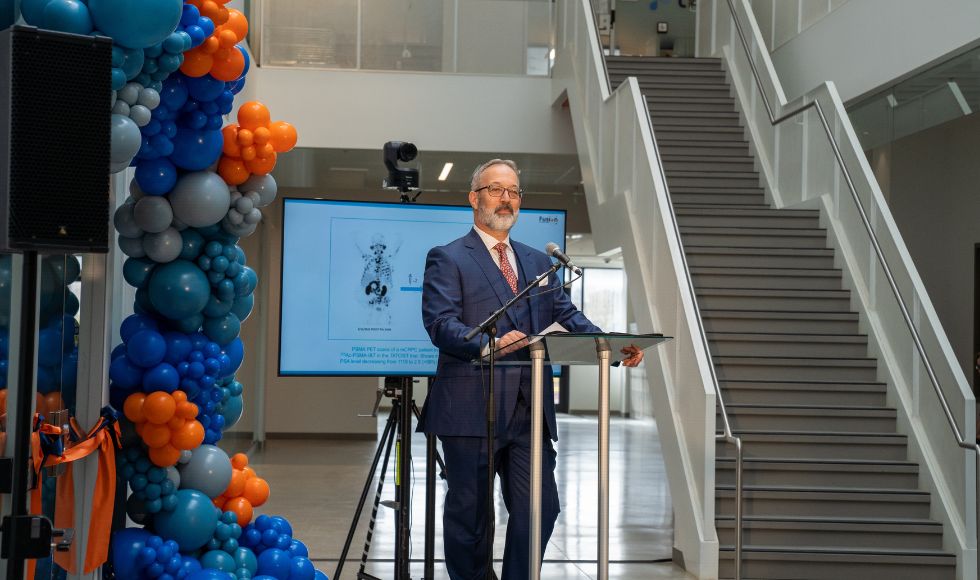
x=132 y=247
x=135 y=192
x=235 y=196
x=239 y=231
x=234 y=217
x=254 y=216
x=253 y=197
x=174 y=476
x=178 y=225
x=139 y=115
x=200 y=198
x=125 y=139
x=264 y=185
x=244 y=205
x=153 y=213
x=208 y=471
x=164 y=246
x=117 y=167
x=185 y=456
x=129 y=94
x=112 y=103
x=120 y=108
x=125 y=222
x=149 y=98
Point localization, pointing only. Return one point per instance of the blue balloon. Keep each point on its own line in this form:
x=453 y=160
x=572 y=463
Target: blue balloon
x=117 y=352
x=189 y=324
x=124 y=373
x=205 y=88
x=245 y=558
x=247 y=62
x=174 y=93
x=284 y=527
x=135 y=323
x=189 y=15
x=198 y=342
x=143 y=301
x=179 y=289
x=274 y=562
x=236 y=352
x=301 y=569
x=69 y=377
x=320 y=576
x=298 y=548
x=196 y=150
x=146 y=348
x=132 y=63
x=136 y=271
x=162 y=377
x=156 y=176
x=217 y=308
x=126 y=545
x=218 y=560
x=67 y=16
x=178 y=347
x=49 y=347
x=193 y=244
x=136 y=24
x=33 y=11
x=189 y=564
x=191 y=524
x=208 y=574
x=224 y=329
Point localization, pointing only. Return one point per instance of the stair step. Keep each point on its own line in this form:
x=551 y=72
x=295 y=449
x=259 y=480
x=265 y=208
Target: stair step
x=722 y=179
x=703 y=197
x=823 y=532
x=707 y=163
x=748 y=218
x=672 y=146
x=664 y=76
x=694 y=134
x=796 y=369
x=754 y=237
x=706 y=104
x=820 y=473
x=665 y=62
x=771 y=301
x=757 y=257
x=818 y=419
x=774 y=278
x=688 y=90
x=806 y=563
x=736 y=320
x=817 y=445
x=802 y=393
x=662 y=120
x=782 y=344
x=823 y=501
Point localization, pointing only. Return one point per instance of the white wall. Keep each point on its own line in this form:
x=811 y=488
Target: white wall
x=866 y=44
x=363 y=110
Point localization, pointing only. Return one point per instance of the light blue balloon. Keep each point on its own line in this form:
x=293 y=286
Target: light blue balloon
x=179 y=289
x=125 y=139
x=208 y=471
x=191 y=524
x=136 y=24
x=67 y=16
x=133 y=63
x=232 y=411
x=33 y=11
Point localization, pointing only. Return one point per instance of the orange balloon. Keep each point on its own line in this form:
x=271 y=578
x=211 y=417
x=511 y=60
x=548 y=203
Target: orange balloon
x=283 y=136
x=189 y=436
x=197 y=63
x=231 y=136
x=177 y=422
x=232 y=170
x=133 y=407
x=256 y=491
x=237 y=485
x=53 y=401
x=241 y=508
x=209 y=8
x=219 y=501
x=227 y=38
x=222 y=15
x=179 y=396
x=248 y=153
x=228 y=67
x=220 y=54
x=262 y=135
x=236 y=23
x=186 y=409
x=159 y=407
x=261 y=166
x=239 y=461
x=210 y=45
x=3 y=401
x=245 y=137
x=253 y=115
x=139 y=428
x=156 y=435
x=249 y=472
x=41 y=406
x=264 y=151
x=164 y=456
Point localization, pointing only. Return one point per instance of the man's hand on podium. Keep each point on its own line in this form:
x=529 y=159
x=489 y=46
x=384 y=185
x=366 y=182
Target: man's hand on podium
x=511 y=341
x=635 y=355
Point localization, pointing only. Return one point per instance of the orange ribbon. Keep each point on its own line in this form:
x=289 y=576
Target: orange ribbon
x=100 y=439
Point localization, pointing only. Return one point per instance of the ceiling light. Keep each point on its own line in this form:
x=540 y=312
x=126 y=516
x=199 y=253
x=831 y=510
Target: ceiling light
x=552 y=55
x=445 y=172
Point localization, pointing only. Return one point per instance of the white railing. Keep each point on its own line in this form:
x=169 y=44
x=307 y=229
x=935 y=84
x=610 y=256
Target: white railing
x=814 y=159
x=629 y=208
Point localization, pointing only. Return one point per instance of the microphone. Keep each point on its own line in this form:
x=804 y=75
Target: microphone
x=553 y=251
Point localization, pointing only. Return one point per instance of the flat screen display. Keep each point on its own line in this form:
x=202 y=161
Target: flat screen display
x=352 y=282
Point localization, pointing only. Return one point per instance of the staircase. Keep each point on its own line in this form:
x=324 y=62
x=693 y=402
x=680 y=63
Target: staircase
x=829 y=491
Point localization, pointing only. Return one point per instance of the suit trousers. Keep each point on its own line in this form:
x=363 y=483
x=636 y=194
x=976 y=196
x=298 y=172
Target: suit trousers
x=465 y=511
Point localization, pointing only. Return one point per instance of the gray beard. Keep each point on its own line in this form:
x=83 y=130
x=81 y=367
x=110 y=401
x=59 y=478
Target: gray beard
x=494 y=221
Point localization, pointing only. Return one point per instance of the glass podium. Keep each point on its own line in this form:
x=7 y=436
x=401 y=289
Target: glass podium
x=566 y=348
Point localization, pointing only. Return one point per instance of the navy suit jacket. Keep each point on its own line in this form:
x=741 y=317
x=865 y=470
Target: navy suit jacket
x=462 y=286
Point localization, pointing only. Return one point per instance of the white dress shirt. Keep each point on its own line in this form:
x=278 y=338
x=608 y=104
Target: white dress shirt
x=491 y=241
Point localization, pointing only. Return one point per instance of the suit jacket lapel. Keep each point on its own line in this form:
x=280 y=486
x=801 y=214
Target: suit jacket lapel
x=524 y=261
x=479 y=251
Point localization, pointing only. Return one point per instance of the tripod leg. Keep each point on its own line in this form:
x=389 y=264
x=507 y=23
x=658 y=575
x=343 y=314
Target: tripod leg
x=430 y=507
x=393 y=423
x=389 y=429
x=442 y=464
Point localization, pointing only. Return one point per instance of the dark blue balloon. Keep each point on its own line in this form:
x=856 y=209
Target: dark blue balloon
x=146 y=348
x=178 y=347
x=126 y=544
x=179 y=289
x=320 y=576
x=156 y=176
x=196 y=33
x=118 y=352
x=162 y=377
x=205 y=88
x=136 y=271
x=45 y=380
x=198 y=342
x=124 y=373
x=301 y=569
x=208 y=574
x=49 y=347
x=222 y=330
x=236 y=86
x=189 y=324
x=190 y=15
x=284 y=527
x=216 y=308
x=193 y=244
x=206 y=25
x=236 y=352
x=247 y=61
x=274 y=562
x=143 y=301
x=189 y=564
x=196 y=150
x=135 y=323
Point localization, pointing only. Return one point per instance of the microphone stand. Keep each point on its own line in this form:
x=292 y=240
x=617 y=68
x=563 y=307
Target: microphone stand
x=489 y=327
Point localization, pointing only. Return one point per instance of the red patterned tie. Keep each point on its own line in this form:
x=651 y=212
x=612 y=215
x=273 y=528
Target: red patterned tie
x=505 y=266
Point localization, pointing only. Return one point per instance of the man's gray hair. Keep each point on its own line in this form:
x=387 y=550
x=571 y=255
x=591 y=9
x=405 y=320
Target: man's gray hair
x=478 y=174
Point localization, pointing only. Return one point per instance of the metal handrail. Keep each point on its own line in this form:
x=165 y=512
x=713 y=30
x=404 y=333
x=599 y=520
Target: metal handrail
x=960 y=440
x=726 y=434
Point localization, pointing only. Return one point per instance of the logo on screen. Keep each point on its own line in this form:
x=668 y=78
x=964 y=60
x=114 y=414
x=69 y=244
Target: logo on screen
x=548 y=219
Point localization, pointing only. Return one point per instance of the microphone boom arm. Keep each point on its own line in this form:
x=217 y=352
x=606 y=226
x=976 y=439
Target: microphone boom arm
x=495 y=316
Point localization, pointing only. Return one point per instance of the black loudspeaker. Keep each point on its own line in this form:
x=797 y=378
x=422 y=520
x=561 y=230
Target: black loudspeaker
x=55 y=98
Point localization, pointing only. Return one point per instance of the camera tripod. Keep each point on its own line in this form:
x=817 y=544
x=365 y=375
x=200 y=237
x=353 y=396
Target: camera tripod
x=398 y=432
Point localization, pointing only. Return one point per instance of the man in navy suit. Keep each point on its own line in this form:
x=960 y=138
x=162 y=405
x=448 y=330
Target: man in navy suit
x=465 y=281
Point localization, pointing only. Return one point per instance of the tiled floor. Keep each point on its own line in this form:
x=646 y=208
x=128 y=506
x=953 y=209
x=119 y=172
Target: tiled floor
x=316 y=484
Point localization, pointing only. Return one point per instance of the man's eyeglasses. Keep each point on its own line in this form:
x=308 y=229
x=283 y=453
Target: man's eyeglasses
x=497 y=191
